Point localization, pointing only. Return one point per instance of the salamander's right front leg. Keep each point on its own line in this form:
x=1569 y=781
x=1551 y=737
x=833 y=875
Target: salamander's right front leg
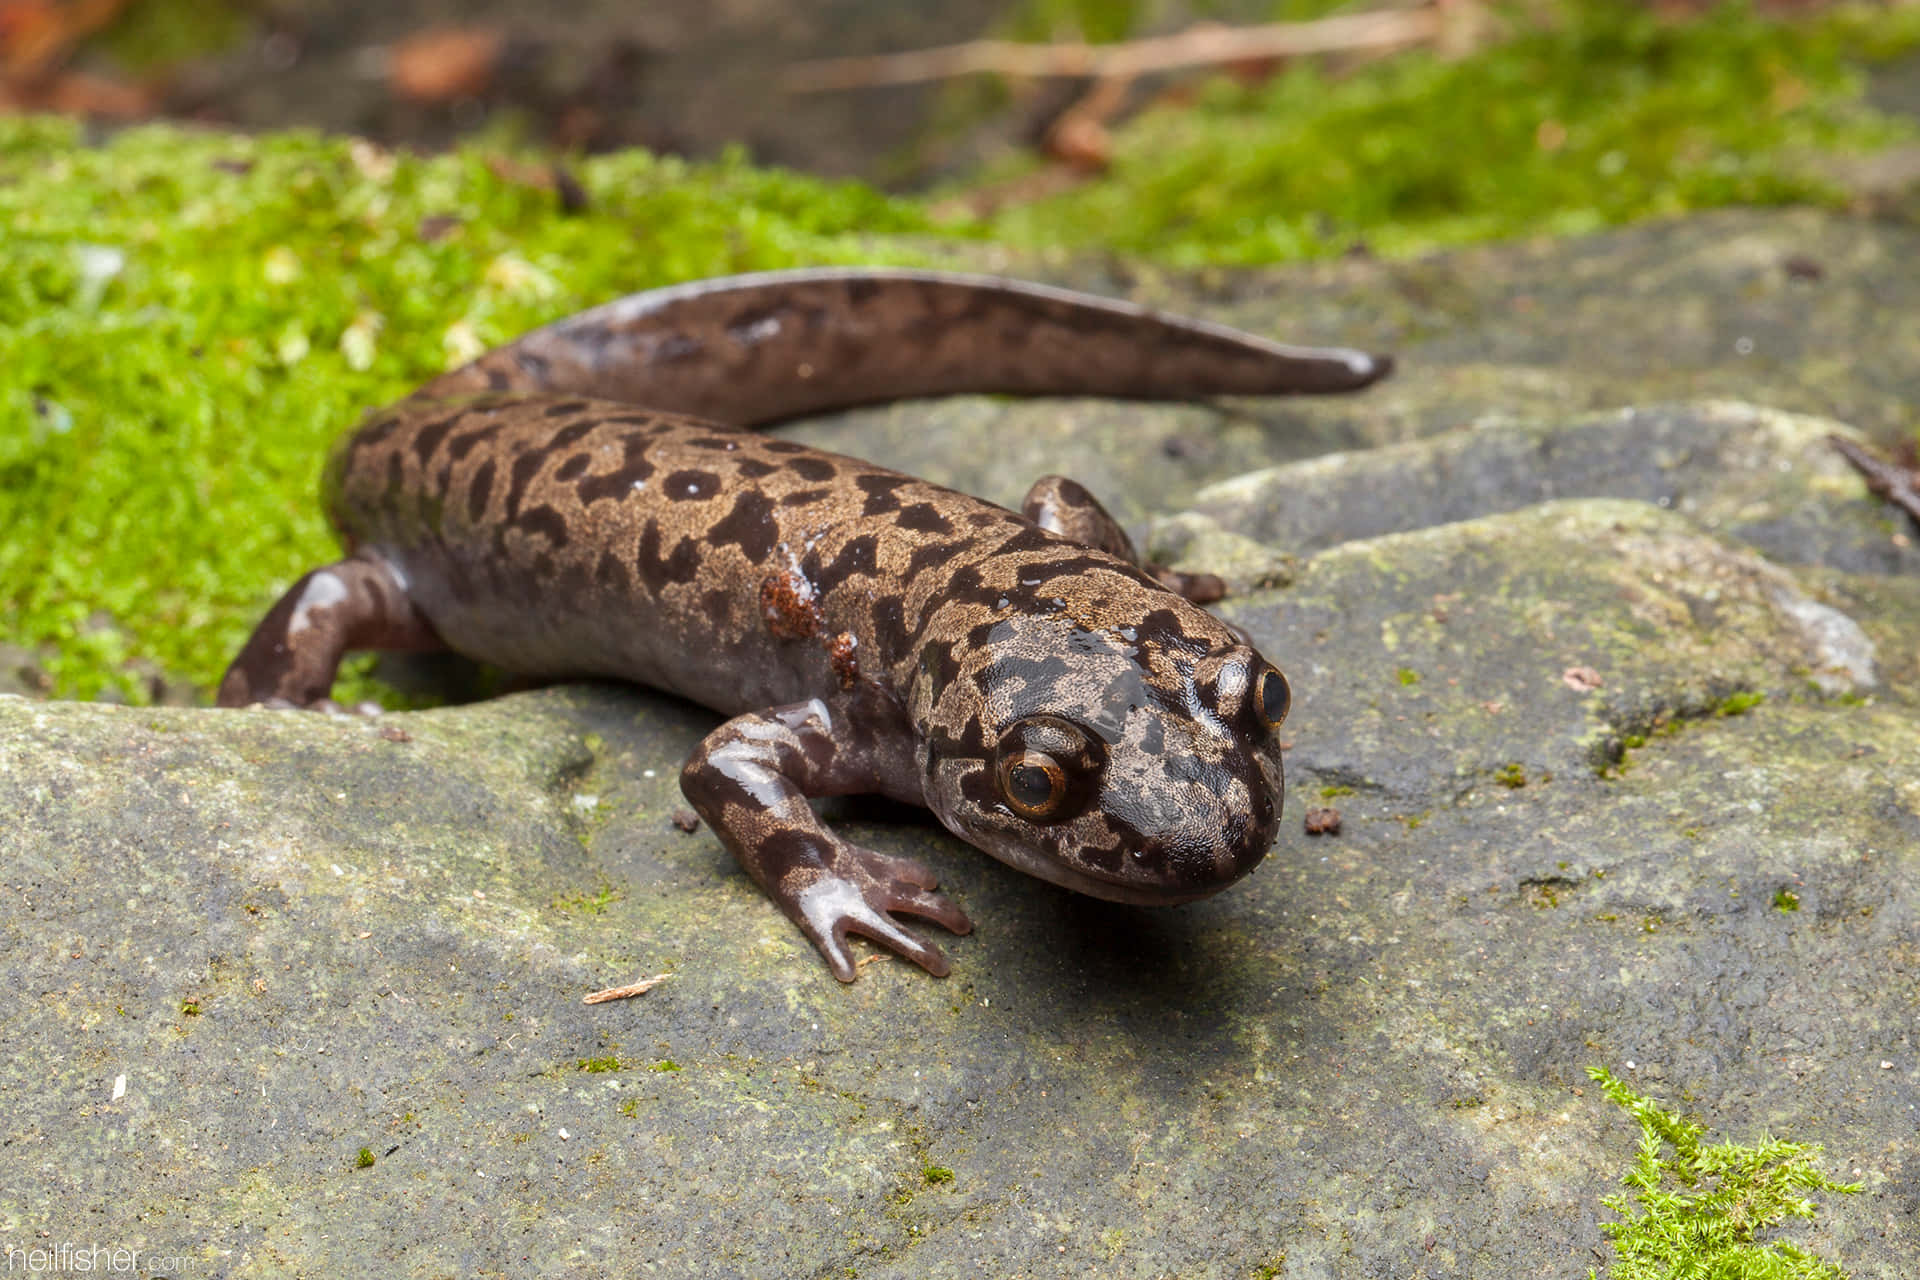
x=291 y=658
x=750 y=780
x=1064 y=506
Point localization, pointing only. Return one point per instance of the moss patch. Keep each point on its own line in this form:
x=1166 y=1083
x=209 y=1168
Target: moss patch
x=1698 y=1210
x=186 y=319
x=1601 y=114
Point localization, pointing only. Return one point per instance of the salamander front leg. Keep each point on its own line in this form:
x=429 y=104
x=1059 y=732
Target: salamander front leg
x=1886 y=480
x=750 y=780
x=291 y=658
x=1063 y=506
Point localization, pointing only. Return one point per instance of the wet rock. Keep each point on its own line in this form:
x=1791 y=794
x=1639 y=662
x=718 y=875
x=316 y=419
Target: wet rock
x=1620 y=712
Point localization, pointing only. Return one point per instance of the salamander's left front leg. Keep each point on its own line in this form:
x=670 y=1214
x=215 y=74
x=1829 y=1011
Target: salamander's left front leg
x=291 y=657
x=1064 y=506
x=750 y=780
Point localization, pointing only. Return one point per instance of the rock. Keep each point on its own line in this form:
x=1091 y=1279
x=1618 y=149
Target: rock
x=1755 y=475
x=1618 y=710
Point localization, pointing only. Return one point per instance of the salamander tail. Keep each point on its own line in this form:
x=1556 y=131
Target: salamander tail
x=754 y=349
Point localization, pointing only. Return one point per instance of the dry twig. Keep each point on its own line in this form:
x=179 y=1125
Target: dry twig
x=1079 y=137
x=1207 y=45
x=639 y=988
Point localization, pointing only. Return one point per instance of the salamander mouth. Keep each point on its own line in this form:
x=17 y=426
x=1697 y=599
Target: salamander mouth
x=1111 y=887
x=1138 y=895
x=1158 y=872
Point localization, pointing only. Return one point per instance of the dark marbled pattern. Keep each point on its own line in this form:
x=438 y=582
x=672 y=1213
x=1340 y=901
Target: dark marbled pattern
x=1051 y=701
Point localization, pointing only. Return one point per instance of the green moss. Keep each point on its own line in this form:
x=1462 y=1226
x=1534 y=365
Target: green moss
x=936 y=1174
x=1334 y=793
x=1408 y=676
x=1107 y=20
x=1740 y=703
x=604 y=1063
x=1697 y=1210
x=1785 y=900
x=1511 y=775
x=158 y=33
x=1602 y=115
x=666 y=1064
x=1097 y=20
x=592 y=904
x=365 y=1159
x=1616 y=755
x=187 y=319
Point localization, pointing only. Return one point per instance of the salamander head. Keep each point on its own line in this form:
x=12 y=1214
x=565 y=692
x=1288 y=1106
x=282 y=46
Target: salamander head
x=1134 y=763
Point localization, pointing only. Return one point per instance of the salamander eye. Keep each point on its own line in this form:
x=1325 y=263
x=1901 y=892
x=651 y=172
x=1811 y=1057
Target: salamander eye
x=1274 y=697
x=1033 y=783
x=1046 y=768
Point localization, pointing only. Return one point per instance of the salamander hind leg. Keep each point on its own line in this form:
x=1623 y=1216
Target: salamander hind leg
x=750 y=780
x=292 y=656
x=1063 y=506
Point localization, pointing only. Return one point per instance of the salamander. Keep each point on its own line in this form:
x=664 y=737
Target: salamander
x=591 y=500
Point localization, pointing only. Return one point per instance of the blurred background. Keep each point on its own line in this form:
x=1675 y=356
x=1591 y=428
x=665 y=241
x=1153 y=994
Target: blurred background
x=228 y=227
x=1679 y=84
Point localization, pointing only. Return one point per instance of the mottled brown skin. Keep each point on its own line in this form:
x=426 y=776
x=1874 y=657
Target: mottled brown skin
x=553 y=509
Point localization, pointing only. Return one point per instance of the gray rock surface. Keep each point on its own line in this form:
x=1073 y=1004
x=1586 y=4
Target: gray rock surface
x=1525 y=629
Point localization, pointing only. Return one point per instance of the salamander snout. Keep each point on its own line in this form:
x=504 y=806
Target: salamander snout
x=1193 y=822
x=1194 y=794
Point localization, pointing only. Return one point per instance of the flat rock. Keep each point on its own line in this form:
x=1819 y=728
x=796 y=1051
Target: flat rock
x=1620 y=710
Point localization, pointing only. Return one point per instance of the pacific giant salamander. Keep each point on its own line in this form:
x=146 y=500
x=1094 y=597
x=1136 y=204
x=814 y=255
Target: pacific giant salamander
x=570 y=505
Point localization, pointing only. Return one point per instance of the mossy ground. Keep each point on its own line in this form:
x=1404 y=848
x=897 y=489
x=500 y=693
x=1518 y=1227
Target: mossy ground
x=1591 y=115
x=187 y=318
